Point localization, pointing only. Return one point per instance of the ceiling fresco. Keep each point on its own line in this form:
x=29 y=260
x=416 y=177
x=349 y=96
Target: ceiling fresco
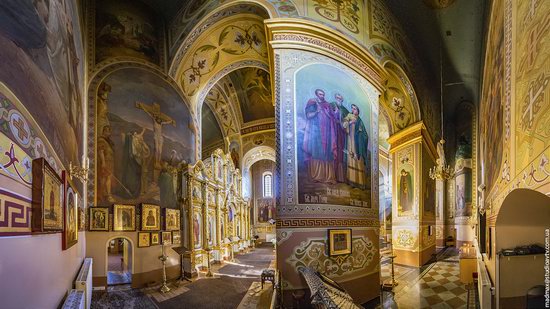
x=211 y=132
x=253 y=88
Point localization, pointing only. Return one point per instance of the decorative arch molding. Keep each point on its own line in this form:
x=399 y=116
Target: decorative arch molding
x=231 y=39
x=384 y=52
x=117 y=61
x=245 y=63
x=199 y=99
x=272 y=8
x=234 y=40
x=254 y=155
x=315 y=37
x=93 y=87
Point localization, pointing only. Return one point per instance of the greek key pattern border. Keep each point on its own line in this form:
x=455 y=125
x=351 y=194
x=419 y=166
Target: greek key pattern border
x=326 y=222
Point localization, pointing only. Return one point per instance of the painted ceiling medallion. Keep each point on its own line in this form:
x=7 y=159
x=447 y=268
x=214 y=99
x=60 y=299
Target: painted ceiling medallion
x=439 y=4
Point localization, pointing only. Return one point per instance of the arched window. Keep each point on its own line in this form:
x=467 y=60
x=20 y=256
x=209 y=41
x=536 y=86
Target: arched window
x=268 y=184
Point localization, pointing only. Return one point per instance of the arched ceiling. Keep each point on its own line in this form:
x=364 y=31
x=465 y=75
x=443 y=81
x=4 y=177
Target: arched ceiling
x=383 y=130
x=457 y=27
x=253 y=89
x=241 y=98
x=211 y=132
x=220 y=100
x=193 y=12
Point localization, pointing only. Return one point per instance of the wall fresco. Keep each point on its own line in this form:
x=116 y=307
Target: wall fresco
x=45 y=51
x=143 y=123
x=334 y=137
x=532 y=97
x=128 y=29
x=492 y=97
x=405 y=183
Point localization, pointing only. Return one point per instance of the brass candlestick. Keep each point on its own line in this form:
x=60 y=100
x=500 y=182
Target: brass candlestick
x=209 y=272
x=164 y=288
x=393 y=282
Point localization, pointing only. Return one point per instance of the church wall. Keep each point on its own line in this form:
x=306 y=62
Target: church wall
x=128 y=139
x=414 y=203
x=38 y=264
x=145 y=268
x=262 y=206
x=128 y=165
x=385 y=192
x=427 y=222
x=405 y=204
x=514 y=140
x=525 y=112
x=306 y=209
x=42 y=76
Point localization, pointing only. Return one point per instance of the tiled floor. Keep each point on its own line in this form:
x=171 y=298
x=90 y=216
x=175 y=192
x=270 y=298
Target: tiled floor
x=435 y=285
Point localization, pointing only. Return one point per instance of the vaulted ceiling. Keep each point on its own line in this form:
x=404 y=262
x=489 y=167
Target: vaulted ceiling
x=253 y=88
x=447 y=36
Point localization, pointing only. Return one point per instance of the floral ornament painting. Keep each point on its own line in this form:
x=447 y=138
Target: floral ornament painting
x=233 y=40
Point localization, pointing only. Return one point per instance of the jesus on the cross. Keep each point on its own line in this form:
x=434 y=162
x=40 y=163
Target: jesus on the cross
x=159 y=119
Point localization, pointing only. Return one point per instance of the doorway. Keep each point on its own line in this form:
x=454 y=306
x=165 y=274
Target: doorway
x=119 y=261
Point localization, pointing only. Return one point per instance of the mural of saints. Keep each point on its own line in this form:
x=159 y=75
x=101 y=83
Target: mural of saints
x=357 y=141
x=405 y=189
x=333 y=126
x=266 y=209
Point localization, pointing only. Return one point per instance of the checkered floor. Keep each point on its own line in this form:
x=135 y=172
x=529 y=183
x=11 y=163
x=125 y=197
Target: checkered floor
x=440 y=287
x=435 y=285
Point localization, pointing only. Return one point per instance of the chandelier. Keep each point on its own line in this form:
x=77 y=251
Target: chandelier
x=441 y=171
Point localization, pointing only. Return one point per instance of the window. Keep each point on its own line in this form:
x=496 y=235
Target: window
x=268 y=184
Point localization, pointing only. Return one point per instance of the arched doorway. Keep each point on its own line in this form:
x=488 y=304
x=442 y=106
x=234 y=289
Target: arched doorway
x=119 y=256
x=516 y=246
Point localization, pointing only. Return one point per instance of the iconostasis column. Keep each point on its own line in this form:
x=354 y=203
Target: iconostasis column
x=326 y=92
x=414 y=195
